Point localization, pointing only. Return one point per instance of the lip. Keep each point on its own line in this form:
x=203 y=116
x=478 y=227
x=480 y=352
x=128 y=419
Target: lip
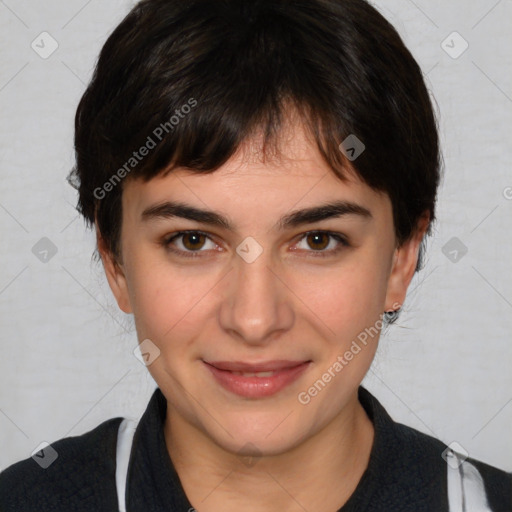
x=283 y=374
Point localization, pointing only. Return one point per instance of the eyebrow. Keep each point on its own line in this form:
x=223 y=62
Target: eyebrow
x=169 y=209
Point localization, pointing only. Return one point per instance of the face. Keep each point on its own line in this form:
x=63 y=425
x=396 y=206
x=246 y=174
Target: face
x=257 y=283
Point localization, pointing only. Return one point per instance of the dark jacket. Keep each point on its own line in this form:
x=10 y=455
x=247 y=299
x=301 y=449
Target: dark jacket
x=407 y=471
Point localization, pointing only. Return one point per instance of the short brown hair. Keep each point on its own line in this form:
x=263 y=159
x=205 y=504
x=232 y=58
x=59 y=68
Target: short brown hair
x=230 y=66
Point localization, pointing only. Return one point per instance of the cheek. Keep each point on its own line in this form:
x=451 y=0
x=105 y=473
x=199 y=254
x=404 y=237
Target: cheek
x=345 y=300
x=168 y=302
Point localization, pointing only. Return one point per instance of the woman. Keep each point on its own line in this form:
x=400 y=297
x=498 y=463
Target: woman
x=261 y=176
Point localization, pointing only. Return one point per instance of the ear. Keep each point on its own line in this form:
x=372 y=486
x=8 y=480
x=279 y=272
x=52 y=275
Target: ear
x=115 y=274
x=404 y=264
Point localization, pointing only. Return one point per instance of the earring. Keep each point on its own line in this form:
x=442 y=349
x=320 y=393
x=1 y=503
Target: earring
x=392 y=315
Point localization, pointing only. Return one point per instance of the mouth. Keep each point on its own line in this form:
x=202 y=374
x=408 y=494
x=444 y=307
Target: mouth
x=256 y=380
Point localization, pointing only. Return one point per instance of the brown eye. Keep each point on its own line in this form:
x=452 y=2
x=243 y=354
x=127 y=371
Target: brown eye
x=190 y=244
x=193 y=241
x=318 y=241
x=322 y=243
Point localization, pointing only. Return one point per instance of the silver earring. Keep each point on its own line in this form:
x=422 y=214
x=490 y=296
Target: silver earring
x=392 y=315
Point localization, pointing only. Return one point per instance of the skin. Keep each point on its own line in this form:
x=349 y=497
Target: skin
x=236 y=453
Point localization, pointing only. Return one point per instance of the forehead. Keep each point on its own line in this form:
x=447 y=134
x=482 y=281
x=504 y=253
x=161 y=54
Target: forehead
x=258 y=178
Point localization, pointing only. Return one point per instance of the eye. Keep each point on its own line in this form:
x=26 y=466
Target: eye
x=186 y=243
x=323 y=243
x=191 y=244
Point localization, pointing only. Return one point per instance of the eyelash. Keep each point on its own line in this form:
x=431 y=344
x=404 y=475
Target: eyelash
x=316 y=254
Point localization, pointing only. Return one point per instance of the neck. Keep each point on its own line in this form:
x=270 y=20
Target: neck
x=321 y=473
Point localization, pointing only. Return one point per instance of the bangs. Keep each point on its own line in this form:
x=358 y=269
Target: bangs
x=187 y=84
x=199 y=102
x=203 y=144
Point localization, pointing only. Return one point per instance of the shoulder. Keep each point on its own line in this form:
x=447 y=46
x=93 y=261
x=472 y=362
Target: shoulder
x=78 y=474
x=420 y=472
x=498 y=485
x=475 y=477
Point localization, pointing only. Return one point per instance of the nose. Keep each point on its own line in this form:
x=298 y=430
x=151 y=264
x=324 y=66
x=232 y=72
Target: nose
x=257 y=305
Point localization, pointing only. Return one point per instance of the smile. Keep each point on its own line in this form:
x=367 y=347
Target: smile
x=256 y=380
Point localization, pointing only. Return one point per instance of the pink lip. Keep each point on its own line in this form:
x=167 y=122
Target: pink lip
x=285 y=372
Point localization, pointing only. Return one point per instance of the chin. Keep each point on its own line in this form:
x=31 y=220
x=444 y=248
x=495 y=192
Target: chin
x=257 y=438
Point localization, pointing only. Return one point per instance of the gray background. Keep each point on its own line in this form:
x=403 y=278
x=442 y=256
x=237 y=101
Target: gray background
x=66 y=360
